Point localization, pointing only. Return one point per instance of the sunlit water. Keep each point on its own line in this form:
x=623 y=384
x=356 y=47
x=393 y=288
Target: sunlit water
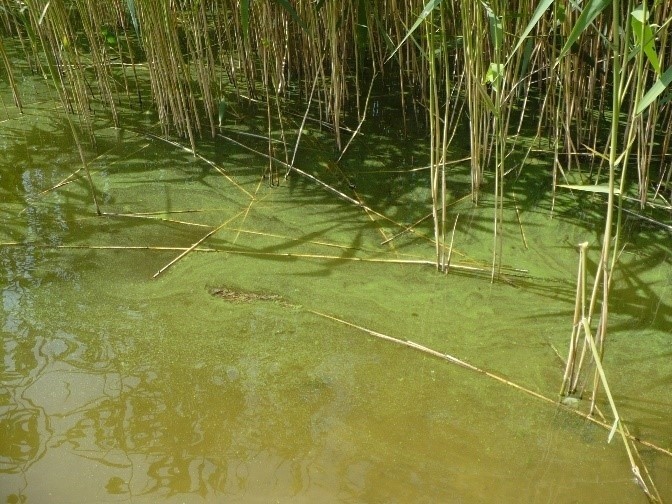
x=121 y=387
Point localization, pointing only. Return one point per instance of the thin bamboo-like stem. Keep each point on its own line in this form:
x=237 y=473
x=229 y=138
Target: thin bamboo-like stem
x=437 y=140
x=452 y=240
x=605 y=259
x=197 y=243
x=618 y=424
x=303 y=123
x=10 y=77
x=361 y=121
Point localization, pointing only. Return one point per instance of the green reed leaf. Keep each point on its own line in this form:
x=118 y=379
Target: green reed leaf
x=661 y=84
x=292 y=12
x=589 y=13
x=431 y=5
x=538 y=12
x=604 y=189
x=644 y=37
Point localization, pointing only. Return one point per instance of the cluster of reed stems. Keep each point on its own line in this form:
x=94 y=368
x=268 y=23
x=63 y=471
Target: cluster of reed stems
x=500 y=66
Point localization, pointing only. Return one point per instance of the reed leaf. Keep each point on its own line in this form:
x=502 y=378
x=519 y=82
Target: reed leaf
x=588 y=15
x=538 y=13
x=292 y=12
x=589 y=188
x=426 y=11
x=644 y=37
x=661 y=84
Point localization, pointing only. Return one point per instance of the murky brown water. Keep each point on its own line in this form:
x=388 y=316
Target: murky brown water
x=117 y=387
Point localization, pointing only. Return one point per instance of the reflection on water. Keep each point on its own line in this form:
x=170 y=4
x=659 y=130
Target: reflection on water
x=118 y=388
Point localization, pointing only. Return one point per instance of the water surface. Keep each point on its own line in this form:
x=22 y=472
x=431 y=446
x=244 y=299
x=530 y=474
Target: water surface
x=121 y=387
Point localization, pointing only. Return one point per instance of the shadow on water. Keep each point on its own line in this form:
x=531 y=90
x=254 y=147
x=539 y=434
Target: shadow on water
x=117 y=387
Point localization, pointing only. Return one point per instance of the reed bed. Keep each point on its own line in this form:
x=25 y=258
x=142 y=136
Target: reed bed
x=500 y=67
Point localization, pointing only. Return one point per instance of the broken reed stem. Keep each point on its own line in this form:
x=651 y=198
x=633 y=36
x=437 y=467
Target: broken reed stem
x=581 y=325
x=422 y=262
x=246 y=212
x=84 y=164
x=103 y=247
x=155 y=217
x=450 y=250
x=335 y=191
x=520 y=222
x=198 y=156
x=571 y=369
x=359 y=126
x=411 y=228
x=208 y=235
x=303 y=123
x=407 y=229
x=655 y=498
x=618 y=424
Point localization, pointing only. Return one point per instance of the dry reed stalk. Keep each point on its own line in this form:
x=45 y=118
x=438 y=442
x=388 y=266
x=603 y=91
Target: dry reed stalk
x=195 y=248
x=435 y=139
x=303 y=123
x=618 y=423
x=446 y=266
x=326 y=186
x=73 y=176
x=494 y=376
x=195 y=245
x=653 y=494
x=520 y=222
x=247 y=209
x=473 y=51
x=407 y=229
x=91 y=17
x=102 y=247
x=152 y=216
x=572 y=368
x=466 y=268
x=10 y=78
x=581 y=326
x=361 y=121
x=301 y=240
x=67 y=180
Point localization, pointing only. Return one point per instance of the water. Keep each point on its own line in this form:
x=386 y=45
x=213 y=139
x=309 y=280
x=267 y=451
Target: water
x=121 y=387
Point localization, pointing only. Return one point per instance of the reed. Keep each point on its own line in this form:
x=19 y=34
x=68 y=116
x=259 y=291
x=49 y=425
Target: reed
x=195 y=50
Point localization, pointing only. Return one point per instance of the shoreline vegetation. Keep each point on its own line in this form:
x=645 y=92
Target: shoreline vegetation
x=589 y=84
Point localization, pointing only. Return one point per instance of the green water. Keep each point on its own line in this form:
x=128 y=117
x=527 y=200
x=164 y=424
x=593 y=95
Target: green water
x=121 y=387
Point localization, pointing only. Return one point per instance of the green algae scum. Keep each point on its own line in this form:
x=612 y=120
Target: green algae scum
x=232 y=274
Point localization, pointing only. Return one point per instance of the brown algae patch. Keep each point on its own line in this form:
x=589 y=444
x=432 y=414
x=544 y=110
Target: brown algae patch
x=240 y=296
